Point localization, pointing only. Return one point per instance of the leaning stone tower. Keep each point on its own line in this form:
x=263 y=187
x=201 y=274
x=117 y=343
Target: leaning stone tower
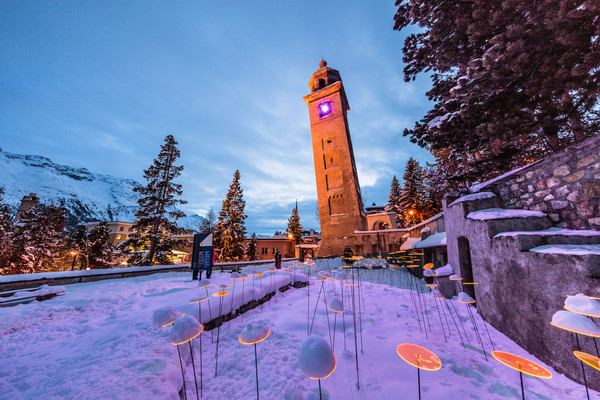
x=340 y=203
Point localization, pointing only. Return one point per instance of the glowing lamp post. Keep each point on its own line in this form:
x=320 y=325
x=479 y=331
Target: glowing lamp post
x=419 y=357
x=220 y=296
x=316 y=359
x=184 y=330
x=252 y=334
x=522 y=365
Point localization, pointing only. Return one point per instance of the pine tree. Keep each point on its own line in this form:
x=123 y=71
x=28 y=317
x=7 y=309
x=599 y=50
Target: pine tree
x=39 y=240
x=79 y=242
x=231 y=228
x=6 y=234
x=208 y=224
x=513 y=81
x=294 y=227
x=252 y=250
x=100 y=250
x=411 y=194
x=393 y=204
x=151 y=241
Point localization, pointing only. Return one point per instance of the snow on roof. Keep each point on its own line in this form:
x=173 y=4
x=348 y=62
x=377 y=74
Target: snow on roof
x=427 y=229
x=568 y=249
x=409 y=243
x=550 y=232
x=473 y=196
x=437 y=239
x=501 y=213
x=478 y=187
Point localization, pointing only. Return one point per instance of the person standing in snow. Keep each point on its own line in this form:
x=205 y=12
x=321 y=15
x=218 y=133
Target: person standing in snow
x=277 y=259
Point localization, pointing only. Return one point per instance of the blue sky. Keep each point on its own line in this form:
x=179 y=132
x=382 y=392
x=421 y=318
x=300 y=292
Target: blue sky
x=99 y=84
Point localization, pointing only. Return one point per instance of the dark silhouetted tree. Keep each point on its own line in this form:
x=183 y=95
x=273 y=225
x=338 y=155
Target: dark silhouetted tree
x=208 y=223
x=231 y=227
x=252 y=249
x=6 y=234
x=151 y=241
x=393 y=204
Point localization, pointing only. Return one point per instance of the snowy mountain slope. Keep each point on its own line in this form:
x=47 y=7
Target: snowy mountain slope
x=87 y=196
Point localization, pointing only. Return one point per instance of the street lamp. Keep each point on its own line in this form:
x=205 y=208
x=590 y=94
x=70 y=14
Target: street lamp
x=74 y=254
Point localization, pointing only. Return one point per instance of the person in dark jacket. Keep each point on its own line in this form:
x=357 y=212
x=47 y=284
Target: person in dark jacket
x=277 y=260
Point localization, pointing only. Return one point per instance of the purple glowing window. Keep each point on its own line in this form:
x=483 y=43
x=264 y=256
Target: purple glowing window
x=325 y=109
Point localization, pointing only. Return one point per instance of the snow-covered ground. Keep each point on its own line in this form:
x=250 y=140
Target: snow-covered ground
x=97 y=341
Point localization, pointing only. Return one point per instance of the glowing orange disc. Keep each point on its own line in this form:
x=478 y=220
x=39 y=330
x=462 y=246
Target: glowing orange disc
x=455 y=278
x=428 y=266
x=220 y=294
x=431 y=284
x=260 y=275
x=470 y=283
x=256 y=339
x=522 y=364
x=589 y=359
x=419 y=357
x=412 y=266
x=198 y=300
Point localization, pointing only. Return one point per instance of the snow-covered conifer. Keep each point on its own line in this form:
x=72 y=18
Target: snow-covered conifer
x=294 y=226
x=151 y=241
x=393 y=203
x=252 y=250
x=231 y=227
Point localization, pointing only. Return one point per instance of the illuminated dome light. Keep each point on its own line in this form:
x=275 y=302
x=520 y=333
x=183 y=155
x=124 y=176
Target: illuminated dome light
x=432 y=285
x=575 y=323
x=253 y=334
x=429 y=273
x=325 y=274
x=589 y=359
x=584 y=305
x=412 y=266
x=341 y=277
x=428 y=266
x=165 y=316
x=455 y=278
x=234 y=275
x=198 y=300
x=336 y=305
x=185 y=329
x=465 y=298
x=220 y=294
x=470 y=283
x=223 y=286
x=316 y=359
x=204 y=283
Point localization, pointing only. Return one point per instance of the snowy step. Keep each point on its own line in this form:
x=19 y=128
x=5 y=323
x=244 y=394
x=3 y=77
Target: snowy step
x=477 y=201
x=558 y=253
x=527 y=240
x=506 y=220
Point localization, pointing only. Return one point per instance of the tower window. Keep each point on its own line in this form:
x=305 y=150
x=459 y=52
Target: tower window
x=325 y=109
x=321 y=83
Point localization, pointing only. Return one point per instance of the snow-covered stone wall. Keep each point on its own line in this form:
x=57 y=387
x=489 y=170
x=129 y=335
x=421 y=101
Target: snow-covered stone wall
x=566 y=186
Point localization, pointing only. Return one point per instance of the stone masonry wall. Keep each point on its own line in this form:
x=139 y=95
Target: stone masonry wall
x=566 y=186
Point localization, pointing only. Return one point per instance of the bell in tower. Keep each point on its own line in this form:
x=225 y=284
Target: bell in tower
x=340 y=203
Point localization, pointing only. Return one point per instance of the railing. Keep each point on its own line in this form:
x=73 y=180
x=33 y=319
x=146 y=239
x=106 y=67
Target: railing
x=23 y=281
